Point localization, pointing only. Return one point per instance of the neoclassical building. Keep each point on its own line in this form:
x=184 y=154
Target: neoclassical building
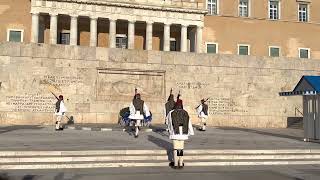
x=286 y=28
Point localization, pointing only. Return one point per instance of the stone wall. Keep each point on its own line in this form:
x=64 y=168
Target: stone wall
x=98 y=82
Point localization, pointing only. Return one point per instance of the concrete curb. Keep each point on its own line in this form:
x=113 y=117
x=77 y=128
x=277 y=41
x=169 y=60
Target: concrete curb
x=159 y=164
x=121 y=158
x=157 y=152
x=111 y=129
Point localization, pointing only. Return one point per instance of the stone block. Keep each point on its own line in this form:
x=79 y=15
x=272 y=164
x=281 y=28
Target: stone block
x=115 y=55
x=98 y=107
x=89 y=118
x=40 y=50
x=59 y=51
x=180 y=58
x=103 y=118
x=84 y=90
x=26 y=49
x=102 y=54
x=154 y=57
x=76 y=63
x=202 y=59
x=46 y=62
x=136 y=56
x=82 y=107
x=4 y=60
x=167 y=58
x=10 y=49
x=85 y=53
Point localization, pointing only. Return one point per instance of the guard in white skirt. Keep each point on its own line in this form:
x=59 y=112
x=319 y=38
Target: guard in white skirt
x=202 y=111
x=180 y=127
x=138 y=109
x=60 y=112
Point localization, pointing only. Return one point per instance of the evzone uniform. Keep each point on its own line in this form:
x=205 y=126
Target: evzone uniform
x=180 y=127
x=60 y=112
x=202 y=111
x=138 y=110
x=169 y=106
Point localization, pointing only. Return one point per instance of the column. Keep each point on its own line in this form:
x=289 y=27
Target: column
x=199 y=39
x=192 y=35
x=184 y=38
x=166 y=37
x=35 y=28
x=53 y=28
x=74 y=30
x=112 y=33
x=149 y=36
x=131 y=35
x=93 y=31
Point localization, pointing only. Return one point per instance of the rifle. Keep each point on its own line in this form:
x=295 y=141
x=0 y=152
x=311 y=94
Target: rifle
x=204 y=102
x=58 y=99
x=178 y=97
x=54 y=95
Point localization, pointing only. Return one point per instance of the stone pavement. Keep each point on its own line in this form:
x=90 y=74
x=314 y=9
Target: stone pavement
x=21 y=138
x=305 y=172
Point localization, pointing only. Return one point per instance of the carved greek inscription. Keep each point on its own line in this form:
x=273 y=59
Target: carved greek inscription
x=31 y=103
x=221 y=105
x=192 y=85
x=61 y=80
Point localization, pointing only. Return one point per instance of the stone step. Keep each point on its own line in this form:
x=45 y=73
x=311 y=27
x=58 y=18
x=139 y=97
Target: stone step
x=118 y=158
x=4 y=154
x=155 y=164
x=154 y=158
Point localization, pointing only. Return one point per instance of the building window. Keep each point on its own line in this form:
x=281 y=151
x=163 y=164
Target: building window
x=243 y=49
x=173 y=44
x=304 y=53
x=212 y=48
x=274 y=51
x=64 y=38
x=15 y=35
x=303 y=12
x=274 y=9
x=121 y=41
x=212 y=7
x=244 y=8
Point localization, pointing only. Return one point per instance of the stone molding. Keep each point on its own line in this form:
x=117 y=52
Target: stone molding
x=117 y=11
x=193 y=7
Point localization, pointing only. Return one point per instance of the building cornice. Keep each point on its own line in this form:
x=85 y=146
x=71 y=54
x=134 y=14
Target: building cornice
x=155 y=7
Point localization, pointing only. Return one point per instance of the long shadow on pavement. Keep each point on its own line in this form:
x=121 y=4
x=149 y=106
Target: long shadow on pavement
x=18 y=127
x=163 y=144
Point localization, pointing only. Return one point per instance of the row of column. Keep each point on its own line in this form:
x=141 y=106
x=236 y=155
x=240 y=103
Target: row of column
x=112 y=33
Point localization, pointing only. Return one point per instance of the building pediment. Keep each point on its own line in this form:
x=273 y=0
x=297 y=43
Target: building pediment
x=168 y=5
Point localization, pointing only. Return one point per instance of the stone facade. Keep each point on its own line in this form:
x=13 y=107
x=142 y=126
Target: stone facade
x=226 y=29
x=98 y=82
x=184 y=14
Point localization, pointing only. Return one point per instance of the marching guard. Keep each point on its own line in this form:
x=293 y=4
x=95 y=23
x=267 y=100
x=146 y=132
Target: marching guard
x=60 y=112
x=169 y=106
x=180 y=127
x=138 y=111
x=202 y=111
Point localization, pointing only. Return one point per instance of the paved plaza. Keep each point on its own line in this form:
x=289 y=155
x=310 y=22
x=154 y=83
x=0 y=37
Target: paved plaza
x=160 y=173
x=40 y=153
x=21 y=138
